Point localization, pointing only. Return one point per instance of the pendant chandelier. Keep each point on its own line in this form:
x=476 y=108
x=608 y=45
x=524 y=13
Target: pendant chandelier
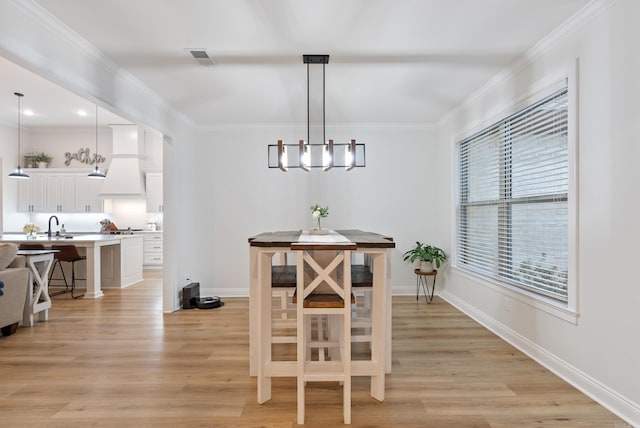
x=96 y=173
x=325 y=155
x=18 y=173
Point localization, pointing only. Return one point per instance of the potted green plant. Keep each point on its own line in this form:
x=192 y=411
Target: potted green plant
x=427 y=255
x=41 y=159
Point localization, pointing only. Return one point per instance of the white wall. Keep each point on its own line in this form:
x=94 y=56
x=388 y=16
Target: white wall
x=9 y=188
x=599 y=353
x=234 y=195
x=58 y=141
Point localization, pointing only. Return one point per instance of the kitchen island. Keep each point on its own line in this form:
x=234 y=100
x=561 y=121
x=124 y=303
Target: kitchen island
x=113 y=261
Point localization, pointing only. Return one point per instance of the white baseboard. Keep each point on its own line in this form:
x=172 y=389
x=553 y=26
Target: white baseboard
x=616 y=403
x=244 y=292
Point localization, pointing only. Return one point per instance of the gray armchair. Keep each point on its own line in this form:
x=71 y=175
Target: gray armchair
x=15 y=280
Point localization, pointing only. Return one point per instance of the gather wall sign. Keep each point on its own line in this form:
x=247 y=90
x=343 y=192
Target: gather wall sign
x=83 y=156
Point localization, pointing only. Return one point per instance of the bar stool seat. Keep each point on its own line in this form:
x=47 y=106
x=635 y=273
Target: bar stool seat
x=283 y=285
x=31 y=247
x=362 y=285
x=70 y=254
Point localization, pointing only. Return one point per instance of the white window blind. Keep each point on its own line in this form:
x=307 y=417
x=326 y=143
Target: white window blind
x=512 y=208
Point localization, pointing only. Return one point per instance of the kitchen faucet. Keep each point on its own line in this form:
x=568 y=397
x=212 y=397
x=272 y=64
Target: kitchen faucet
x=49 y=230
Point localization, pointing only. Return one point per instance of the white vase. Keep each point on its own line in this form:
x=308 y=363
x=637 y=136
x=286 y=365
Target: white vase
x=43 y=164
x=425 y=266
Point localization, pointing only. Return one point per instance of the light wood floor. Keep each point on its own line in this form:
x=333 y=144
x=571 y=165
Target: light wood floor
x=119 y=362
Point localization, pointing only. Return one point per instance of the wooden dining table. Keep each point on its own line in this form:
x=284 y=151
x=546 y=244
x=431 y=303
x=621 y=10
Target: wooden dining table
x=262 y=248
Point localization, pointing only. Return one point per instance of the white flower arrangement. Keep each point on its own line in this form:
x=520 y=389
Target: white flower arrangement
x=319 y=212
x=30 y=228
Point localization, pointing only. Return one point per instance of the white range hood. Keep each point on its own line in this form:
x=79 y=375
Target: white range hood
x=124 y=177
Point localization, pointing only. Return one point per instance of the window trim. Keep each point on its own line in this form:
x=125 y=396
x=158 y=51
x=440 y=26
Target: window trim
x=569 y=310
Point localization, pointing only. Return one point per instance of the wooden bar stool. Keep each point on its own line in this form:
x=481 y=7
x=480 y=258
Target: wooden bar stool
x=362 y=286
x=68 y=253
x=324 y=289
x=283 y=285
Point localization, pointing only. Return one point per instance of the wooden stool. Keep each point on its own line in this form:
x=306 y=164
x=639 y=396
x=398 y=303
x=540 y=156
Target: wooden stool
x=283 y=286
x=362 y=286
x=324 y=291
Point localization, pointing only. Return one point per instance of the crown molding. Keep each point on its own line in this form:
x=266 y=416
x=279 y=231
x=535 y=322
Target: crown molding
x=335 y=126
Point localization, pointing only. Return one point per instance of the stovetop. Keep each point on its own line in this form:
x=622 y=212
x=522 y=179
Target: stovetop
x=128 y=231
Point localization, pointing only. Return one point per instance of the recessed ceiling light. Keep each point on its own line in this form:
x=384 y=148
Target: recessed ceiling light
x=28 y=112
x=82 y=112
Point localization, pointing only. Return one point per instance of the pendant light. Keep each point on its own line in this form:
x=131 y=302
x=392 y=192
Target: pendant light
x=18 y=173
x=316 y=155
x=96 y=173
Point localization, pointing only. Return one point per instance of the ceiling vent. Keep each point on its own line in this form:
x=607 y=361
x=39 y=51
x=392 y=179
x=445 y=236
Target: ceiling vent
x=201 y=56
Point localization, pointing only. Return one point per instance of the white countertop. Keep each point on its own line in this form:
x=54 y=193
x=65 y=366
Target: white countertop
x=21 y=237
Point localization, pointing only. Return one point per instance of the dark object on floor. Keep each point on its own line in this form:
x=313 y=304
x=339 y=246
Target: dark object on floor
x=10 y=329
x=190 y=295
x=210 y=303
x=191 y=298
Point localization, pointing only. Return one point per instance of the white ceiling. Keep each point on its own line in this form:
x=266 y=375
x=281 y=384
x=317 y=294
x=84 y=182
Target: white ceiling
x=392 y=61
x=51 y=105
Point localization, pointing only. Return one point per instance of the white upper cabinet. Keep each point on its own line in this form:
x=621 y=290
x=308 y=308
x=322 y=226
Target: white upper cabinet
x=60 y=193
x=31 y=194
x=154 y=192
x=87 y=190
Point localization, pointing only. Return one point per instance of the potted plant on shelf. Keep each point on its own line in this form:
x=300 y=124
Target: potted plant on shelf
x=427 y=255
x=41 y=159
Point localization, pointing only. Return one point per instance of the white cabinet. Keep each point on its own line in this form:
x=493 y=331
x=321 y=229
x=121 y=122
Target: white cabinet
x=154 y=192
x=31 y=194
x=153 y=246
x=131 y=259
x=87 y=190
x=60 y=193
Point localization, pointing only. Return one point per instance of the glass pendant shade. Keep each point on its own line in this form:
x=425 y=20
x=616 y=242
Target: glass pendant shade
x=350 y=155
x=305 y=156
x=327 y=156
x=283 y=160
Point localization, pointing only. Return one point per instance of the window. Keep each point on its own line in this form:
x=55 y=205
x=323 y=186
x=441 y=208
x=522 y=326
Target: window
x=512 y=201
